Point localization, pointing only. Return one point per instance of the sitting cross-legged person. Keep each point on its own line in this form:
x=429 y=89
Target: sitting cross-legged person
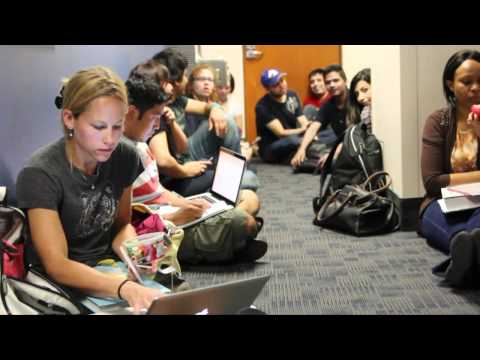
x=201 y=86
x=450 y=156
x=279 y=119
x=76 y=192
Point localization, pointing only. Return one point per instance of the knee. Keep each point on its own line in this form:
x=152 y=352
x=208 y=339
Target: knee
x=250 y=181
x=250 y=202
x=294 y=141
x=310 y=112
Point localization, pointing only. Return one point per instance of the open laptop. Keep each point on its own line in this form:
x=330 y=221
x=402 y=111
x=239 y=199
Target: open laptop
x=225 y=188
x=221 y=299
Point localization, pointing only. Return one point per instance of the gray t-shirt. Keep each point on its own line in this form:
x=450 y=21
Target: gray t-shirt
x=87 y=205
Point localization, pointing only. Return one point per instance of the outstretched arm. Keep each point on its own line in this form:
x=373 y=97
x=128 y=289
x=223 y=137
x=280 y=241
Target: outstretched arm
x=168 y=165
x=307 y=139
x=277 y=128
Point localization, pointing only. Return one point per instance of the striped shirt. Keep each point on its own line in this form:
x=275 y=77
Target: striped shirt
x=147 y=188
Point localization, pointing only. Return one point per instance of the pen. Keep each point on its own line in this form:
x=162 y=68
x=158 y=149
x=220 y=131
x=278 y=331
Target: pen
x=131 y=265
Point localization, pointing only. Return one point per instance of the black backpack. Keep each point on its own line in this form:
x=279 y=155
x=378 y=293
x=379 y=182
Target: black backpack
x=360 y=158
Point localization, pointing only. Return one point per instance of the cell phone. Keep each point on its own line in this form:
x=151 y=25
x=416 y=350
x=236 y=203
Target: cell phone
x=475 y=109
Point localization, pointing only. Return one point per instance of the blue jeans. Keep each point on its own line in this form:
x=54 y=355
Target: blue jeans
x=281 y=150
x=327 y=137
x=439 y=228
x=311 y=112
x=204 y=144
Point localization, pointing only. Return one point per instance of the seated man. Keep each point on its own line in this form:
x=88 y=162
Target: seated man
x=317 y=94
x=316 y=98
x=224 y=237
x=333 y=113
x=279 y=118
x=201 y=86
x=192 y=167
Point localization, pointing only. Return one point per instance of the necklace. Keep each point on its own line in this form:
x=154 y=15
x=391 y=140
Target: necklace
x=74 y=170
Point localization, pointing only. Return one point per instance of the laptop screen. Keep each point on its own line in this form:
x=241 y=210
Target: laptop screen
x=228 y=175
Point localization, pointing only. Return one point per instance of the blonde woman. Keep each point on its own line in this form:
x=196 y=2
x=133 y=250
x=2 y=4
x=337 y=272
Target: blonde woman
x=77 y=190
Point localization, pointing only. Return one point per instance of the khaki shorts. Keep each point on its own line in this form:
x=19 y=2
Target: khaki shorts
x=215 y=239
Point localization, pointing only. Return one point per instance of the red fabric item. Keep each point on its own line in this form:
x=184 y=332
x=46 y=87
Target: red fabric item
x=314 y=101
x=13 y=263
x=152 y=223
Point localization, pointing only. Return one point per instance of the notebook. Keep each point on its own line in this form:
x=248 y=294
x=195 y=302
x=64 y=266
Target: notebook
x=460 y=197
x=225 y=188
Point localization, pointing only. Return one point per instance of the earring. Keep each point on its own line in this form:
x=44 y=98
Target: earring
x=70 y=133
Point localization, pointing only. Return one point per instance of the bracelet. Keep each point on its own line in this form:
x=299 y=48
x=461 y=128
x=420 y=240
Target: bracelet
x=120 y=288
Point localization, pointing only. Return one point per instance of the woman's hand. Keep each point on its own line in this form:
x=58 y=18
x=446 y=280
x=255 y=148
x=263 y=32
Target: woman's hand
x=322 y=161
x=139 y=297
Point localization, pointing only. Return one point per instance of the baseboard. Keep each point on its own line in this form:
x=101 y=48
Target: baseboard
x=408 y=211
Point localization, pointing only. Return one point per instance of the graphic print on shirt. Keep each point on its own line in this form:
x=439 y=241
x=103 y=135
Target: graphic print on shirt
x=292 y=104
x=98 y=211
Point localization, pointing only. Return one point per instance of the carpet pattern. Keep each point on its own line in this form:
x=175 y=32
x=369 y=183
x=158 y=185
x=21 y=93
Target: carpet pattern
x=316 y=271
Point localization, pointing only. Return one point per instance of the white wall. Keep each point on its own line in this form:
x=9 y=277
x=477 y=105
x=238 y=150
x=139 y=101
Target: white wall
x=233 y=55
x=389 y=121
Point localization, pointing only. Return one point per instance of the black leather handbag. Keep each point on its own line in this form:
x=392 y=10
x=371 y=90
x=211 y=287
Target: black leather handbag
x=357 y=211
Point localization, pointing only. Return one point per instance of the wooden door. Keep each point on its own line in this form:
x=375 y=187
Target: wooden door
x=296 y=60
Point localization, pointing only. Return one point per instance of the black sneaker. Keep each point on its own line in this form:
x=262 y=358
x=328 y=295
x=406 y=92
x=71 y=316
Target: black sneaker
x=476 y=240
x=259 y=222
x=463 y=254
x=255 y=250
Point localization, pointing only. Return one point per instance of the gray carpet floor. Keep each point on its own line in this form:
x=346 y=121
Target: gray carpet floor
x=316 y=271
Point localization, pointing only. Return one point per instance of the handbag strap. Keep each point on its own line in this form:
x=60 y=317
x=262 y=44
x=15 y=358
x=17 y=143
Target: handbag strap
x=320 y=219
x=369 y=182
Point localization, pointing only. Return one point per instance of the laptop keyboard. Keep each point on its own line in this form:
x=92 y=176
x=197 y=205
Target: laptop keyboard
x=207 y=198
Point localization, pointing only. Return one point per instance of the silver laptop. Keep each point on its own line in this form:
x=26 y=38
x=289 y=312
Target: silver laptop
x=225 y=188
x=221 y=299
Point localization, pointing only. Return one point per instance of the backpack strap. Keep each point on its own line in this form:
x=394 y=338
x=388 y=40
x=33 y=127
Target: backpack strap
x=326 y=170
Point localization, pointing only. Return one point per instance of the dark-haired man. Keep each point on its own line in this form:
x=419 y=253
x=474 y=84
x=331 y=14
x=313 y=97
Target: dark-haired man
x=279 y=118
x=333 y=113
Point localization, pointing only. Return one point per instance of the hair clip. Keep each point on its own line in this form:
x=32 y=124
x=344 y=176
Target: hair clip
x=59 y=102
x=59 y=99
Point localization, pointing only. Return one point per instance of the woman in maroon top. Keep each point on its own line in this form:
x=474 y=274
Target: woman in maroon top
x=450 y=156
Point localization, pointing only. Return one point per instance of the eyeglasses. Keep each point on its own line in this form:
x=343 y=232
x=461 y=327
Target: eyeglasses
x=202 y=78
